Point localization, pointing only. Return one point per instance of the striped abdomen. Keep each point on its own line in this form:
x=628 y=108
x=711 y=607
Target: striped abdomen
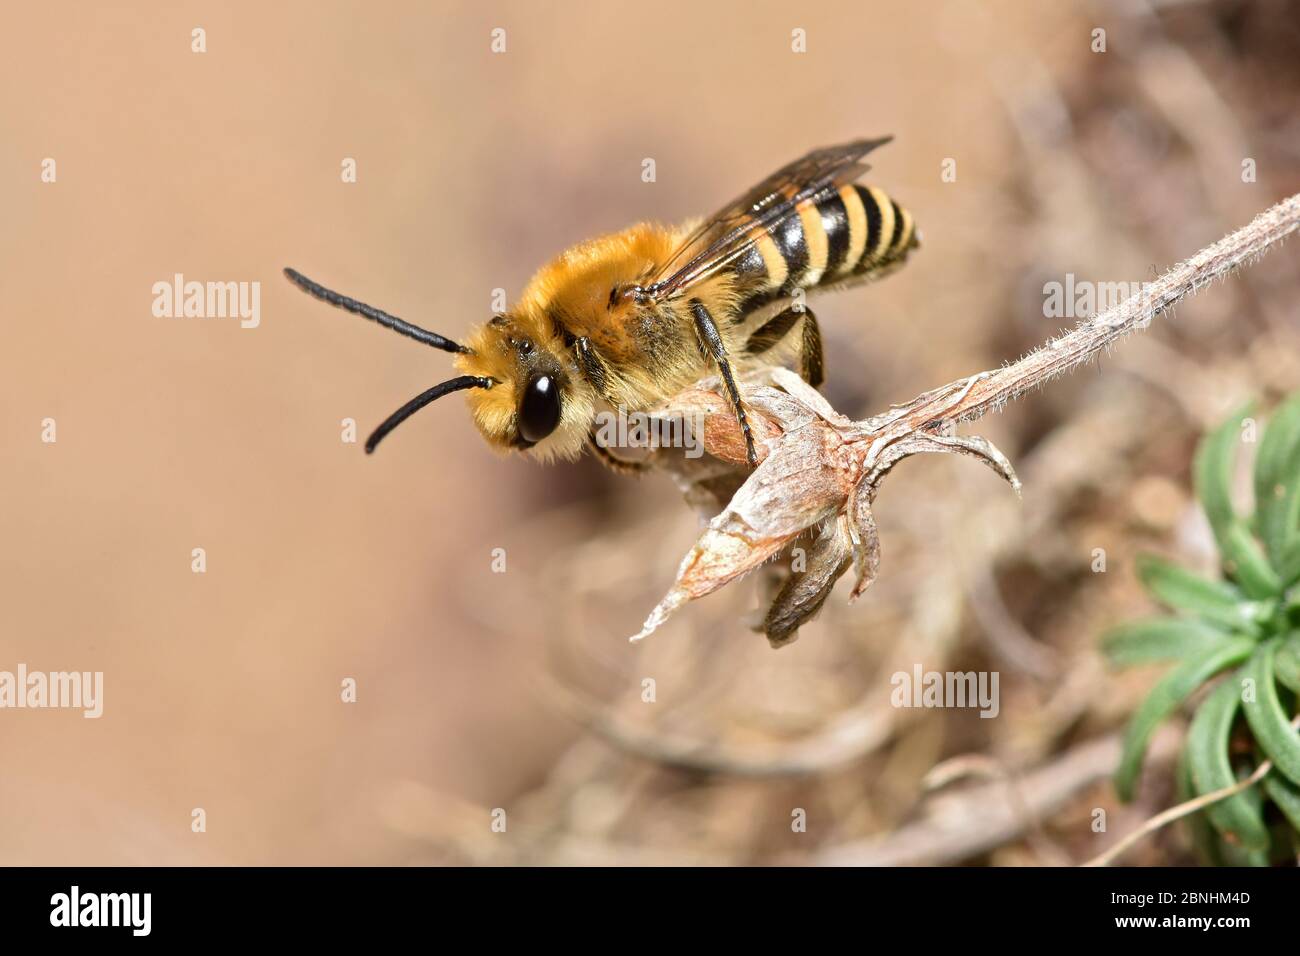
x=842 y=236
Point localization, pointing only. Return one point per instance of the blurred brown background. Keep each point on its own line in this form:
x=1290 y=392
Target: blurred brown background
x=518 y=690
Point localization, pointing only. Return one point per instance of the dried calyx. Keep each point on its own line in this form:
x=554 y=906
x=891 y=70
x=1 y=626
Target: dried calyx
x=811 y=493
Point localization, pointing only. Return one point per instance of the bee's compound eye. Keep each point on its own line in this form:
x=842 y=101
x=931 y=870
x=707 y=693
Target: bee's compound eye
x=539 y=413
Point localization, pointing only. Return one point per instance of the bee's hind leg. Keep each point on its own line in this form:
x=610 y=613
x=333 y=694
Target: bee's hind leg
x=711 y=339
x=812 y=362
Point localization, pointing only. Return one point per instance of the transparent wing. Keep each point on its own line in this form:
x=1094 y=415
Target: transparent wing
x=730 y=232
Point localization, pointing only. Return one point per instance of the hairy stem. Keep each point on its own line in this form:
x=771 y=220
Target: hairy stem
x=994 y=389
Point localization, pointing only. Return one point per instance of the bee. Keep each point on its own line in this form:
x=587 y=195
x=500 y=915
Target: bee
x=629 y=319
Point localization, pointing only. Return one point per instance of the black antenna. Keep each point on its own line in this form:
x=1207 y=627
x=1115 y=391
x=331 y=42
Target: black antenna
x=375 y=315
x=417 y=403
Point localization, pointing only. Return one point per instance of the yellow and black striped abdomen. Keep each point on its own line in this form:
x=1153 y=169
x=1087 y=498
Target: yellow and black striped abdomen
x=841 y=236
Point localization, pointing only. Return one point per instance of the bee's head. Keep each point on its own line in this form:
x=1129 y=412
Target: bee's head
x=537 y=402
x=522 y=393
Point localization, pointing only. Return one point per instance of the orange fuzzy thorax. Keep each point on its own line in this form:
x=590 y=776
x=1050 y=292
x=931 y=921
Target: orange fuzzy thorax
x=569 y=294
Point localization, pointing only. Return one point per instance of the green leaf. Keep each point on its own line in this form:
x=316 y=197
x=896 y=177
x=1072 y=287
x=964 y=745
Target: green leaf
x=1277 y=482
x=1268 y=721
x=1213 y=471
x=1243 y=558
x=1181 y=590
x=1236 y=856
x=1204 y=838
x=1245 y=563
x=1286 y=795
x=1238 y=818
x=1174 y=688
x=1158 y=639
x=1286 y=663
x=1289 y=566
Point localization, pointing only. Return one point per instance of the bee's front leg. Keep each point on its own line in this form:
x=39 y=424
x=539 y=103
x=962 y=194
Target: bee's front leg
x=595 y=371
x=593 y=366
x=711 y=339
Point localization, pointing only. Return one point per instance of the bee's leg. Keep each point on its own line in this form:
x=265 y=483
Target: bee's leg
x=593 y=366
x=621 y=466
x=812 y=364
x=812 y=360
x=771 y=332
x=597 y=373
x=711 y=339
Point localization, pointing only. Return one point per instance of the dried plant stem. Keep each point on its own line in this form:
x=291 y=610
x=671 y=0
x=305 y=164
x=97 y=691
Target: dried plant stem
x=981 y=818
x=994 y=389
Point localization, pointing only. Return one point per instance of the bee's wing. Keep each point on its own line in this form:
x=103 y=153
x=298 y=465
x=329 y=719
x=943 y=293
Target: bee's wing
x=730 y=232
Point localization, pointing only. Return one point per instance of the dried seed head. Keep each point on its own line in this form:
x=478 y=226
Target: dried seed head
x=818 y=475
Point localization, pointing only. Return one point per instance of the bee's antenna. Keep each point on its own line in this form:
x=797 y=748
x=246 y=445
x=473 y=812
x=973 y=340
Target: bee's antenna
x=375 y=315
x=424 y=398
